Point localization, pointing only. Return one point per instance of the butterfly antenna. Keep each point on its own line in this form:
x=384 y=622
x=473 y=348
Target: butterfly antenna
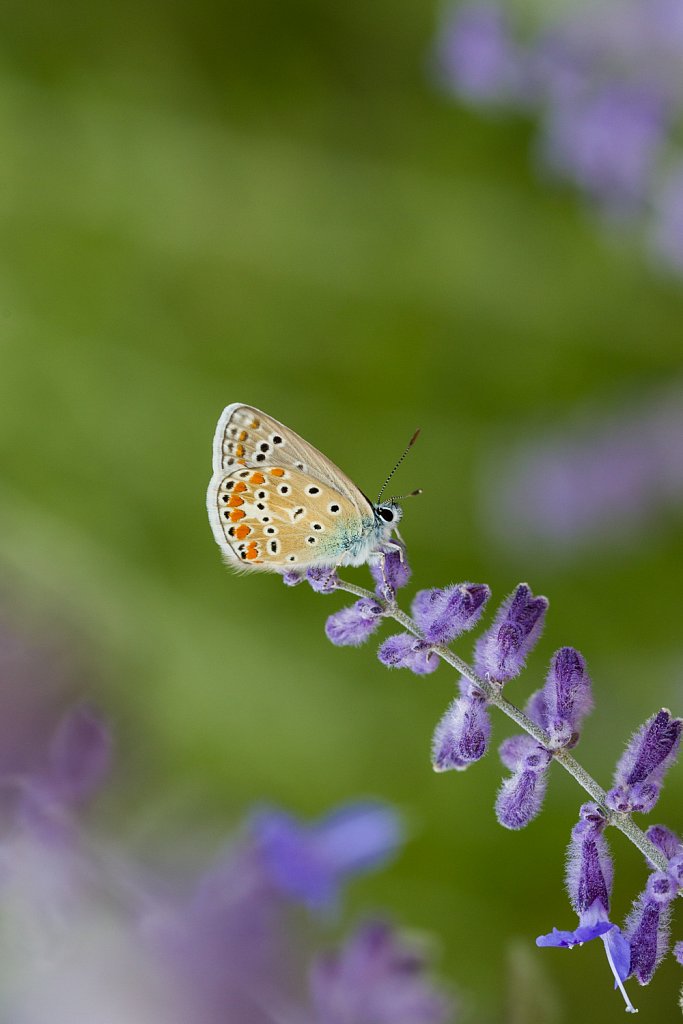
x=408 y=447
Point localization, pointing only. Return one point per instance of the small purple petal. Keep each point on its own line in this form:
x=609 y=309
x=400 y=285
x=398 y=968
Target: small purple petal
x=404 y=651
x=503 y=649
x=376 y=978
x=390 y=573
x=678 y=952
x=462 y=735
x=568 y=696
x=80 y=755
x=675 y=869
x=322 y=579
x=308 y=863
x=352 y=626
x=647 y=926
x=640 y=771
x=443 y=614
x=536 y=708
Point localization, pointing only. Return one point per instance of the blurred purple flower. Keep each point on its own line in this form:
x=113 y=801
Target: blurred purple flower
x=639 y=774
x=376 y=978
x=309 y=863
x=678 y=952
x=476 y=56
x=502 y=651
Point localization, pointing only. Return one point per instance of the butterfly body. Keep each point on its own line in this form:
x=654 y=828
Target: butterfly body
x=275 y=503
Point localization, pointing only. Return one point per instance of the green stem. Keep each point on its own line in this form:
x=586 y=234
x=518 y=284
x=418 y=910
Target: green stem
x=494 y=695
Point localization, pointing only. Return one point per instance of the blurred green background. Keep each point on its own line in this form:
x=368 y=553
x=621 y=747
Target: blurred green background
x=271 y=203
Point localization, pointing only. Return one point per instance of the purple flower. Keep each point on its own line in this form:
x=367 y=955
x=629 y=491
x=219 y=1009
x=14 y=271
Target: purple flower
x=639 y=775
x=353 y=625
x=309 y=863
x=322 y=579
x=678 y=952
x=443 y=614
x=462 y=735
x=79 y=755
x=589 y=884
x=402 y=650
x=514 y=749
x=292 y=578
x=376 y=978
x=606 y=141
x=390 y=573
x=567 y=695
x=476 y=56
x=501 y=652
x=667 y=225
x=647 y=926
x=520 y=797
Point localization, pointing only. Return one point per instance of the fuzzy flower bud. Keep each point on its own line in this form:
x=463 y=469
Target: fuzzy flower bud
x=514 y=749
x=402 y=650
x=521 y=795
x=322 y=579
x=647 y=926
x=292 y=578
x=665 y=840
x=390 y=573
x=443 y=614
x=678 y=952
x=567 y=695
x=351 y=626
x=639 y=774
x=462 y=735
x=501 y=652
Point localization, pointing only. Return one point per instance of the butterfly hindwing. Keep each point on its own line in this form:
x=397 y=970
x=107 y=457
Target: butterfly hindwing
x=278 y=518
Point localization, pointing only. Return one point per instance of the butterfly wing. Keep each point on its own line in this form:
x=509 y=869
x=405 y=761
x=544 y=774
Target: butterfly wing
x=277 y=503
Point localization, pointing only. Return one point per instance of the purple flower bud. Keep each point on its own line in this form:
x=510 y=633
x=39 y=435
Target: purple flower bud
x=568 y=697
x=377 y=976
x=665 y=840
x=322 y=579
x=521 y=795
x=390 y=573
x=589 y=865
x=402 y=650
x=639 y=774
x=444 y=614
x=502 y=650
x=351 y=626
x=647 y=926
x=308 y=863
x=514 y=749
x=536 y=709
x=675 y=869
x=291 y=578
x=678 y=952
x=462 y=735
x=80 y=755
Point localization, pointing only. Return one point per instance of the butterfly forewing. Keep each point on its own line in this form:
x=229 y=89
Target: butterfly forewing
x=281 y=518
x=246 y=437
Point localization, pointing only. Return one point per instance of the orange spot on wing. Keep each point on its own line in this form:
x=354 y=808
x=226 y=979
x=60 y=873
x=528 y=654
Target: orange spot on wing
x=242 y=531
x=235 y=501
x=256 y=424
x=252 y=550
x=257 y=478
x=241 y=462
x=236 y=515
x=240 y=450
x=277 y=472
x=243 y=436
x=241 y=486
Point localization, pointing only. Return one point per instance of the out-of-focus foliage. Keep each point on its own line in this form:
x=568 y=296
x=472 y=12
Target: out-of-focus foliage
x=271 y=203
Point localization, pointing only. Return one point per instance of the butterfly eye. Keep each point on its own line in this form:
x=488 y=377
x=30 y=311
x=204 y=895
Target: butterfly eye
x=386 y=514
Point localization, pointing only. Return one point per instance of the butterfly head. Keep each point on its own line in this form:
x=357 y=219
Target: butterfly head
x=388 y=513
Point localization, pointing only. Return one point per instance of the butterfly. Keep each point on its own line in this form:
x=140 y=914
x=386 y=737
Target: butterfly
x=276 y=503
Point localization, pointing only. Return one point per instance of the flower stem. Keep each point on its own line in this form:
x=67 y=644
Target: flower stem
x=494 y=694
